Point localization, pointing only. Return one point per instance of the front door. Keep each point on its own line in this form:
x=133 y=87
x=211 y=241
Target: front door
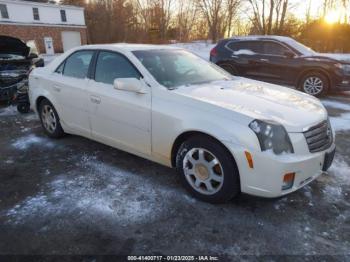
x=120 y=118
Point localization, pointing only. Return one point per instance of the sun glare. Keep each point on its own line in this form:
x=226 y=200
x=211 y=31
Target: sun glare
x=332 y=17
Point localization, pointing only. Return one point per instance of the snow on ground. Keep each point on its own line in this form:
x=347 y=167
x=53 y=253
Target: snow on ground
x=49 y=58
x=341 y=122
x=8 y=111
x=98 y=190
x=25 y=142
x=199 y=48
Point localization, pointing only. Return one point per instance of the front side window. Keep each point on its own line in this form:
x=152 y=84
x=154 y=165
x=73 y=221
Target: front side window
x=36 y=13
x=77 y=65
x=3 y=11
x=271 y=48
x=110 y=66
x=172 y=68
x=63 y=15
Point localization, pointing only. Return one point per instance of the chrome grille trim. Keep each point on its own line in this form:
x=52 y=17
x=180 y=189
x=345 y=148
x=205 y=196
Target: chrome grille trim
x=319 y=137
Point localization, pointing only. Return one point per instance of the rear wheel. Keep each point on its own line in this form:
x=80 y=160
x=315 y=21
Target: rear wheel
x=207 y=169
x=315 y=84
x=50 y=120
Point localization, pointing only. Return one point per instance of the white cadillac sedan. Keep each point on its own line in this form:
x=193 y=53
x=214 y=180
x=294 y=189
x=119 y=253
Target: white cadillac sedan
x=224 y=134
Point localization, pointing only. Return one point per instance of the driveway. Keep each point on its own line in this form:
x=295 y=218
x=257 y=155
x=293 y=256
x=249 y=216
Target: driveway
x=76 y=196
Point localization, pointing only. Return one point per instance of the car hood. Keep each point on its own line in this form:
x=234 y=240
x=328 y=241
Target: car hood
x=343 y=58
x=14 y=46
x=258 y=100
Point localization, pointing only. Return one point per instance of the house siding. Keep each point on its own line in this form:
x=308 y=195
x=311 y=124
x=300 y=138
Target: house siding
x=38 y=32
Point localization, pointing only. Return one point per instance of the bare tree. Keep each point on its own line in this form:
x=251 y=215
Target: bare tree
x=269 y=16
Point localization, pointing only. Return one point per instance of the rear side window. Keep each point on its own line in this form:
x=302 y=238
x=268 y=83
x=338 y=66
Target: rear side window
x=246 y=47
x=110 y=66
x=271 y=48
x=77 y=65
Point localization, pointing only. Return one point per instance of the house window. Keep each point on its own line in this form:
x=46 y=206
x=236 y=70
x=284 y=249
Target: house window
x=36 y=13
x=3 y=11
x=63 y=16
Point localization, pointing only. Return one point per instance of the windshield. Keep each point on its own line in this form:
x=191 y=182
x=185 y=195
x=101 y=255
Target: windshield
x=304 y=50
x=173 y=68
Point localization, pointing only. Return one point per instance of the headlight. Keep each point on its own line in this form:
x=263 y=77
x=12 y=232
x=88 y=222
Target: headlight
x=272 y=136
x=344 y=67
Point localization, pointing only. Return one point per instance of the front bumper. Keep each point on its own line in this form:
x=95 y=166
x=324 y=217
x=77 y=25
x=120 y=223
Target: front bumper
x=265 y=179
x=15 y=94
x=343 y=84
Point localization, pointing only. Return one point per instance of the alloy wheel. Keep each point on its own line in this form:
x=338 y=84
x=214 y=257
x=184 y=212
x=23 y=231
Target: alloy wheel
x=313 y=85
x=203 y=171
x=48 y=118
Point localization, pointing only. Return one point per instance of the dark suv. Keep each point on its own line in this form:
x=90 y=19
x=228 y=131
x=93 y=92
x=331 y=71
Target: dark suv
x=282 y=60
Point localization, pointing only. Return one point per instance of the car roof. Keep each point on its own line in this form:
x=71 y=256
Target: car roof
x=127 y=47
x=261 y=37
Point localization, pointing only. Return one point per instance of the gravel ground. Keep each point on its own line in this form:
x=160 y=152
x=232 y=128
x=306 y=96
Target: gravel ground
x=76 y=196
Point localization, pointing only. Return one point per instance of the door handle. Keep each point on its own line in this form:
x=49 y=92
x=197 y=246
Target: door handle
x=57 y=88
x=95 y=99
x=264 y=60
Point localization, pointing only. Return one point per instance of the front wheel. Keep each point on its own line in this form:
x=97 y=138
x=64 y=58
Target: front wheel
x=50 y=120
x=207 y=169
x=23 y=108
x=314 y=84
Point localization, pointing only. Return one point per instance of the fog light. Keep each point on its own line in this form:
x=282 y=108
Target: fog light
x=288 y=181
x=249 y=159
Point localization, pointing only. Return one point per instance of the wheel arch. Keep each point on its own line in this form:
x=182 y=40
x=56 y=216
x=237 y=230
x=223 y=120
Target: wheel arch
x=39 y=100
x=186 y=135
x=310 y=70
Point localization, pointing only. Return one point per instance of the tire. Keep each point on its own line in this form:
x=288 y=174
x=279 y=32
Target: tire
x=229 y=68
x=50 y=120
x=197 y=177
x=23 y=108
x=315 y=84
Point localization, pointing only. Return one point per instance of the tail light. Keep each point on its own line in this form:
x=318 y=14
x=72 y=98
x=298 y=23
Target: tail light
x=213 y=52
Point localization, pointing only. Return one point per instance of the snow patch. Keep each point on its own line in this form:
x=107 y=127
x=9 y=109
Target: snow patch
x=25 y=142
x=8 y=111
x=98 y=191
x=200 y=48
x=336 y=104
x=340 y=170
x=244 y=52
x=341 y=123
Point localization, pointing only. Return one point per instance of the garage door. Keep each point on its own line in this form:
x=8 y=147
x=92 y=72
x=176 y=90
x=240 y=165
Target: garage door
x=70 y=39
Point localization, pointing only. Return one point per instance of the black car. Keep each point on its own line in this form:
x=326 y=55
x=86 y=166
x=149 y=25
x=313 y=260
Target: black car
x=17 y=59
x=282 y=60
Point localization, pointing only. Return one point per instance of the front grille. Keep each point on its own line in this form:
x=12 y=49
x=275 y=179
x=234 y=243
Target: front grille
x=319 y=137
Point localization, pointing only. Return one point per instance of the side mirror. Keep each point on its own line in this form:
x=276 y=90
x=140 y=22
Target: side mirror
x=289 y=54
x=32 y=56
x=130 y=84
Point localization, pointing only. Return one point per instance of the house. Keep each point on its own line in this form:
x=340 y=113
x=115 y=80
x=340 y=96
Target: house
x=54 y=28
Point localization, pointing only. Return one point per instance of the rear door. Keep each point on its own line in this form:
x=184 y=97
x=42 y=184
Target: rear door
x=246 y=57
x=69 y=83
